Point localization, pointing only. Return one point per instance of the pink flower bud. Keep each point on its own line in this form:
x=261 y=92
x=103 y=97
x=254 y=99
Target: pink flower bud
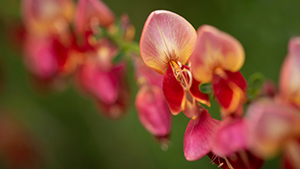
x=153 y=110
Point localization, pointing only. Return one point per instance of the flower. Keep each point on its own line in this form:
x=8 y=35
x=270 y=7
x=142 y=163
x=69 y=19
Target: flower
x=289 y=77
x=92 y=13
x=275 y=122
x=152 y=108
x=108 y=87
x=217 y=58
x=166 y=44
x=42 y=17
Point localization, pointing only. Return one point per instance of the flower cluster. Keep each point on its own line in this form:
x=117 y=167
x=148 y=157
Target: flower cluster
x=57 y=48
x=177 y=69
x=209 y=57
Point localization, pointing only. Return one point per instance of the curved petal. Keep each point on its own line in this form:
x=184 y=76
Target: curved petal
x=214 y=49
x=229 y=90
x=143 y=72
x=231 y=137
x=40 y=16
x=91 y=12
x=289 y=77
x=200 y=97
x=198 y=136
x=166 y=36
x=173 y=91
x=153 y=110
x=271 y=125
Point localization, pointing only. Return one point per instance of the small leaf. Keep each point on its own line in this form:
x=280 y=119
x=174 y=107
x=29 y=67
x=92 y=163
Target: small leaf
x=119 y=57
x=205 y=88
x=256 y=80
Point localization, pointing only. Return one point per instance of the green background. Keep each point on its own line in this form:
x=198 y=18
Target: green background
x=69 y=130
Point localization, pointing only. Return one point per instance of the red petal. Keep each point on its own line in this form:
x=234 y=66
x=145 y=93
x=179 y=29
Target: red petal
x=153 y=110
x=173 y=91
x=229 y=90
x=222 y=91
x=198 y=136
x=242 y=160
x=199 y=96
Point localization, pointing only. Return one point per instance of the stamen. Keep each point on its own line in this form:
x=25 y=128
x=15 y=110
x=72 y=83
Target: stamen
x=184 y=76
x=220 y=165
x=228 y=163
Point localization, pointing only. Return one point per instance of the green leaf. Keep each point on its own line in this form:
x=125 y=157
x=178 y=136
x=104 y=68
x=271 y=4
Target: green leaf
x=119 y=57
x=205 y=88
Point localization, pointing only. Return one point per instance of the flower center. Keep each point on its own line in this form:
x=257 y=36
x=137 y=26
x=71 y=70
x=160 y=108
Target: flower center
x=182 y=74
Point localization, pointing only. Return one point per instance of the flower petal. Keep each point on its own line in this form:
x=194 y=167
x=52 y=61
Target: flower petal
x=102 y=84
x=229 y=90
x=143 y=72
x=231 y=137
x=40 y=57
x=199 y=96
x=198 y=136
x=173 y=91
x=166 y=36
x=270 y=125
x=214 y=49
x=289 y=77
x=153 y=110
x=40 y=16
x=291 y=155
x=242 y=160
x=91 y=13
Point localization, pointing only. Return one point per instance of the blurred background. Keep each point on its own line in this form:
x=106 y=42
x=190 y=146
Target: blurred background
x=66 y=129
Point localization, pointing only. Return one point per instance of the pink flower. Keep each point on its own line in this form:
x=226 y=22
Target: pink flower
x=92 y=13
x=289 y=78
x=152 y=108
x=108 y=87
x=217 y=58
x=42 y=17
x=166 y=44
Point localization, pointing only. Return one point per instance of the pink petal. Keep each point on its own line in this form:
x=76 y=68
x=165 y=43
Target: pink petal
x=289 y=77
x=153 y=110
x=92 y=13
x=103 y=85
x=117 y=109
x=40 y=16
x=198 y=136
x=291 y=155
x=231 y=137
x=40 y=57
x=166 y=36
x=270 y=125
x=143 y=72
x=173 y=91
x=215 y=49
